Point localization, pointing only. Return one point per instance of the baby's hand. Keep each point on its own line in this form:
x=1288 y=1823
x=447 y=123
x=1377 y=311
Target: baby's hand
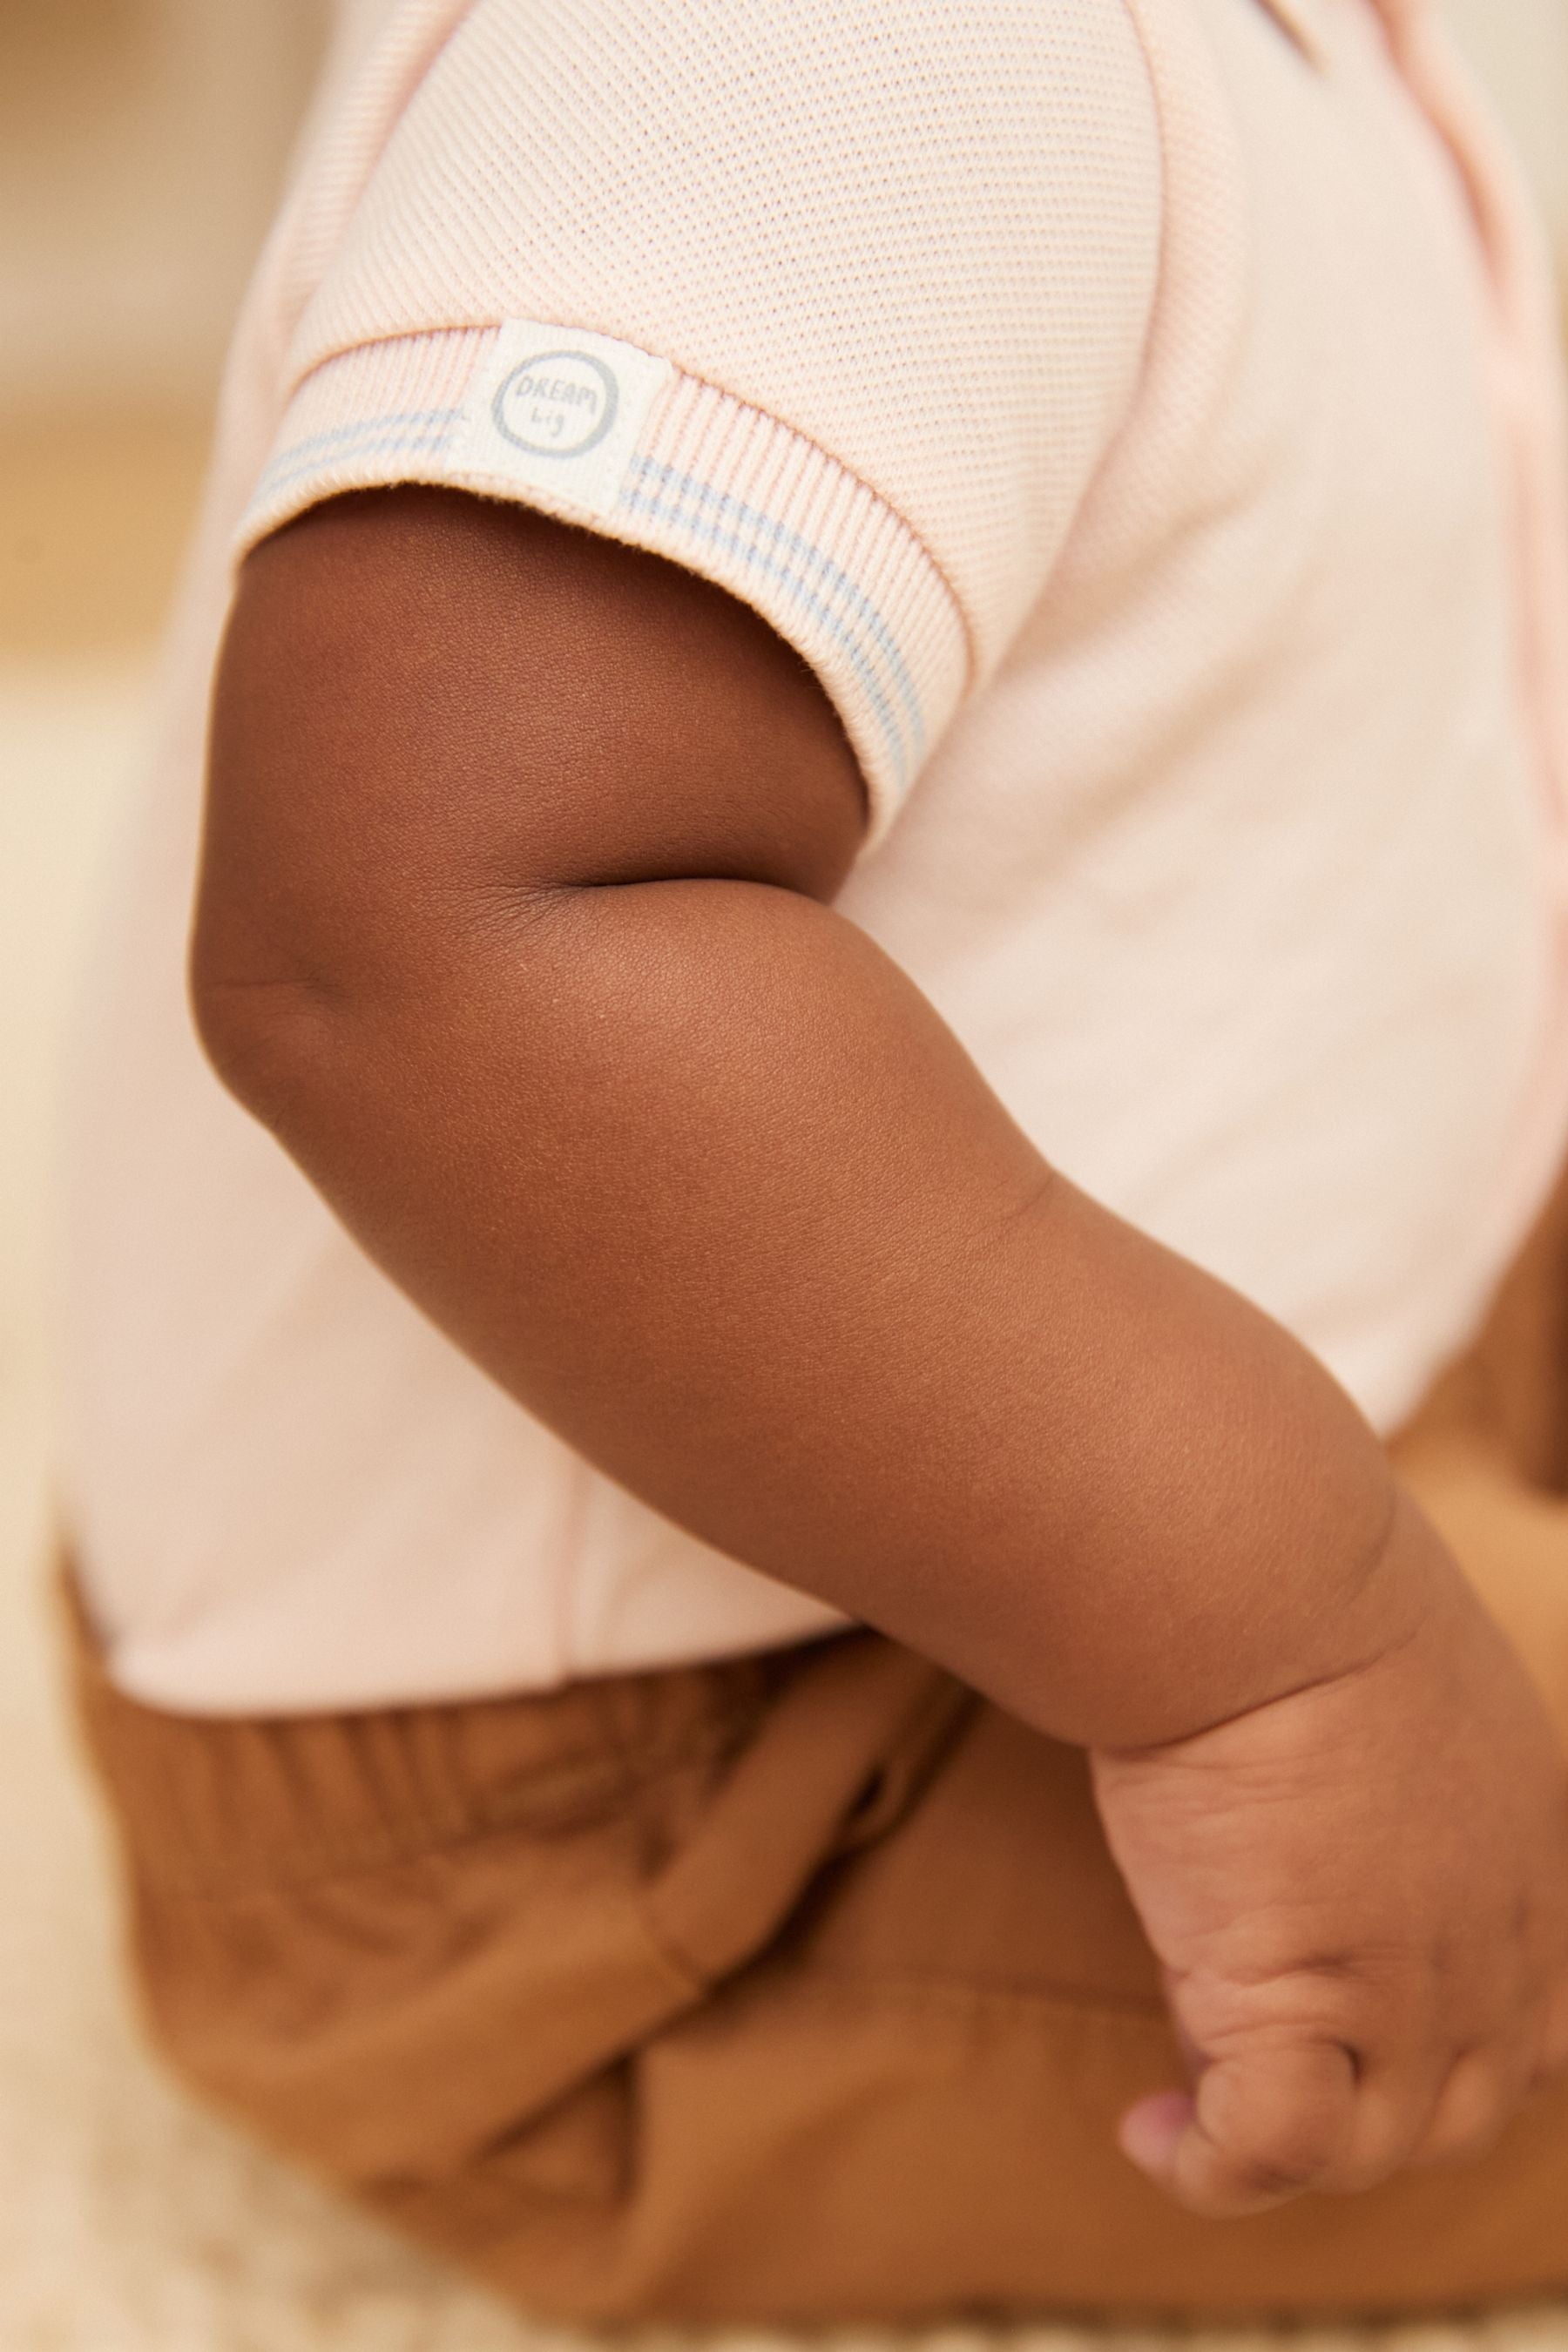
x=1358 y=1895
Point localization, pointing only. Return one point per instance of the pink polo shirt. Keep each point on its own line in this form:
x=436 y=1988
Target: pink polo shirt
x=1143 y=415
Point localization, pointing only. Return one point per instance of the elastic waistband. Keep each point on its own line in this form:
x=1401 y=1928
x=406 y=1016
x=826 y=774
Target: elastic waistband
x=208 y=1804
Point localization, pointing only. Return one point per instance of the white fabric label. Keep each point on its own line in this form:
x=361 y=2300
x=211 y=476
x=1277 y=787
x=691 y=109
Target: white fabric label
x=561 y=410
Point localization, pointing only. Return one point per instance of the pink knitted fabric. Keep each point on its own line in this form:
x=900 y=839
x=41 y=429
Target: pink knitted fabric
x=1143 y=416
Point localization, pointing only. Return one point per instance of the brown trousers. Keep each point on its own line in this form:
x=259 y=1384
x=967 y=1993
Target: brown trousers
x=796 y=1989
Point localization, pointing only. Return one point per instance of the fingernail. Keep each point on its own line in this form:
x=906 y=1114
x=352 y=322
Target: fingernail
x=1149 y=2132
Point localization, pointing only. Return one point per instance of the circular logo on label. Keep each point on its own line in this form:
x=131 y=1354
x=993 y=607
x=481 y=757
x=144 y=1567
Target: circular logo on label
x=560 y=405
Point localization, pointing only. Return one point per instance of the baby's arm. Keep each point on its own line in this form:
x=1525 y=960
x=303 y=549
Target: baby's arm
x=513 y=927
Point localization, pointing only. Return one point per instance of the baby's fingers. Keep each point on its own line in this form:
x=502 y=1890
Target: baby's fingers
x=1486 y=2087
x=1261 y=2128
x=1478 y=2102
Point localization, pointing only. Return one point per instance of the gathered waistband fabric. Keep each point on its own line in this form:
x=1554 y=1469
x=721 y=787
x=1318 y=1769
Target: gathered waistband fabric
x=210 y=1805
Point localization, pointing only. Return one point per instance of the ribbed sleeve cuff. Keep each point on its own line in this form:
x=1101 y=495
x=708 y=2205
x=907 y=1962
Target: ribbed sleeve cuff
x=710 y=482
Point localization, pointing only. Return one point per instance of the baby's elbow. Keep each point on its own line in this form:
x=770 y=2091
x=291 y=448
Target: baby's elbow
x=328 y=1010
x=272 y=1031
x=296 y=963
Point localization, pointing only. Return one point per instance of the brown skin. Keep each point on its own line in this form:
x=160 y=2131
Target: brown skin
x=514 y=927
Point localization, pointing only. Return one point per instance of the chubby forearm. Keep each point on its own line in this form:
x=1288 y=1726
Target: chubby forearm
x=699 y=1177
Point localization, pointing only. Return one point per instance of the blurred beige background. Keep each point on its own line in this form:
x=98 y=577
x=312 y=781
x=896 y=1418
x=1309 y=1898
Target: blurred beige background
x=141 y=147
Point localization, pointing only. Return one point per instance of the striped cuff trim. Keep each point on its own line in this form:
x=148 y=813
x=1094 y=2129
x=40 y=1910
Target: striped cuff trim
x=715 y=485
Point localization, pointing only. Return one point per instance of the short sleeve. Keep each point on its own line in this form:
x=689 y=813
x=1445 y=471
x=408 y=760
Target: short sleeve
x=839 y=302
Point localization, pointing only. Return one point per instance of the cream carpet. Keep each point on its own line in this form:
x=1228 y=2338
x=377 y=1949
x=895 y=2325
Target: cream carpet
x=130 y=2222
